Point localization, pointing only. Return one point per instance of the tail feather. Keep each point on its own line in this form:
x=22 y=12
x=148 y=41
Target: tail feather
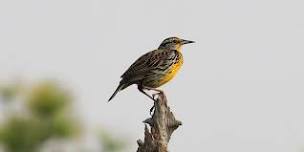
x=120 y=87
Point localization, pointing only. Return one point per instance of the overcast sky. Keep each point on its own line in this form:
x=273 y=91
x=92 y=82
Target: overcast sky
x=241 y=87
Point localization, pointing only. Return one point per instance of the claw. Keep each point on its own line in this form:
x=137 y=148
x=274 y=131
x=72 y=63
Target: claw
x=152 y=109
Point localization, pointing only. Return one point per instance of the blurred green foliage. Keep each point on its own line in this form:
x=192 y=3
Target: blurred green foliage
x=110 y=143
x=21 y=134
x=46 y=116
x=8 y=92
x=47 y=99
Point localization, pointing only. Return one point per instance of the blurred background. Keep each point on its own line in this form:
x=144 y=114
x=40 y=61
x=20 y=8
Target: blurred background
x=240 y=89
x=41 y=117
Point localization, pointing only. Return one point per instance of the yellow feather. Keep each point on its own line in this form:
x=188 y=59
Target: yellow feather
x=172 y=72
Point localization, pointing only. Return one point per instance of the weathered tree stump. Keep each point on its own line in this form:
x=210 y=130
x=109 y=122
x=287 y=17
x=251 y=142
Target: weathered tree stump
x=162 y=125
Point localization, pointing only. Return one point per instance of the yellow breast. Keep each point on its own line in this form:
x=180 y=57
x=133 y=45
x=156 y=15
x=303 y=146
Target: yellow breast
x=172 y=71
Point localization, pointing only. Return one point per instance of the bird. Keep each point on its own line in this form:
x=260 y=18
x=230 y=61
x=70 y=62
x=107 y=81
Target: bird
x=155 y=68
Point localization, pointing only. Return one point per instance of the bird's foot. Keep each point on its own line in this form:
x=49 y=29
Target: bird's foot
x=152 y=109
x=154 y=97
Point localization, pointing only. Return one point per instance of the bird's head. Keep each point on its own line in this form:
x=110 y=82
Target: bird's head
x=173 y=43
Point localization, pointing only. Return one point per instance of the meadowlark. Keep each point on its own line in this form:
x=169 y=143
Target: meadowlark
x=154 y=68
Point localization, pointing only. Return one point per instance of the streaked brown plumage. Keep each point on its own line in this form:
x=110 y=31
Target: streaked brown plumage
x=154 y=68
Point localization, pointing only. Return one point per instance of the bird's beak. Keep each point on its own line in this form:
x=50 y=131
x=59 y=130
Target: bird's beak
x=186 y=42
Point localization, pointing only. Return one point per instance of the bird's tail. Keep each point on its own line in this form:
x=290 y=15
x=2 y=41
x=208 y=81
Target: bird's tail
x=120 y=87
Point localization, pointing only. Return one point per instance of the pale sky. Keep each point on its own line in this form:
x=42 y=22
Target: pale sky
x=241 y=87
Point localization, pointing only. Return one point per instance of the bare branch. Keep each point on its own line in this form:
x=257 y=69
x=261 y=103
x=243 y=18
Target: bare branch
x=162 y=125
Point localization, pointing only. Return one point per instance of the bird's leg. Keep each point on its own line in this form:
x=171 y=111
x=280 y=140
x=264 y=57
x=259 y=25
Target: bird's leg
x=154 y=89
x=141 y=89
x=154 y=96
x=152 y=108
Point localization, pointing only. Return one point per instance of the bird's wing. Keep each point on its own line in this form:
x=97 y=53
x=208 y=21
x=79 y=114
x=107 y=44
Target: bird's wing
x=149 y=61
x=140 y=64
